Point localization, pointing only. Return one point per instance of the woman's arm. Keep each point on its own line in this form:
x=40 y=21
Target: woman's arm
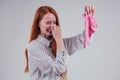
x=74 y=44
x=80 y=41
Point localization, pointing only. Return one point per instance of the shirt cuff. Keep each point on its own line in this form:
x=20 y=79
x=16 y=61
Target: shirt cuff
x=61 y=53
x=62 y=56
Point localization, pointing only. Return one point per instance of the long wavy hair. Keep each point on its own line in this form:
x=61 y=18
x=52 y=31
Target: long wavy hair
x=35 y=31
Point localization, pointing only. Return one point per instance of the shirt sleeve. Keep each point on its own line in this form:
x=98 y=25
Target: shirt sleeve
x=46 y=63
x=74 y=44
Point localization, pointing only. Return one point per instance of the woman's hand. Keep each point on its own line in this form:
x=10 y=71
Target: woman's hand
x=57 y=35
x=89 y=9
x=56 y=32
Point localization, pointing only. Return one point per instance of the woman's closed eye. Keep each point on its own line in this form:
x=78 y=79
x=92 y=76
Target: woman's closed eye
x=48 y=22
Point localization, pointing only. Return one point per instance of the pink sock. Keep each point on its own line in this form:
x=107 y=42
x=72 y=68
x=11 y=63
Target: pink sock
x=90 y=27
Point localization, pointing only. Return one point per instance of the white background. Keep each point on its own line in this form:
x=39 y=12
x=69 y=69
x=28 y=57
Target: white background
x=99 y=61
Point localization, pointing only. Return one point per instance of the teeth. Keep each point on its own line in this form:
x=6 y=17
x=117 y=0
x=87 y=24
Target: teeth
x=49 y=30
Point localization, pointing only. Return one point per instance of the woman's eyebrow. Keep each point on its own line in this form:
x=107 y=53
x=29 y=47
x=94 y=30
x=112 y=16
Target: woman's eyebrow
x=49 y=21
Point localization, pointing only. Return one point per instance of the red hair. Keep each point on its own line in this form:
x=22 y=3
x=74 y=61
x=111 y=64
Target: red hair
x=35 y=30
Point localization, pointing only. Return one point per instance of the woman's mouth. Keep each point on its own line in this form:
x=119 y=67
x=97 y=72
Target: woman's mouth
x=49 y=30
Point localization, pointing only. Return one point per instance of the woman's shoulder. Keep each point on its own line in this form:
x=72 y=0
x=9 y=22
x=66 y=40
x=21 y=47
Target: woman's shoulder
x=32 y=45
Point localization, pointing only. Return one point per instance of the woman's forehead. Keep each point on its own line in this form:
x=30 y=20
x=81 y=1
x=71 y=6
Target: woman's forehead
x=49 y=17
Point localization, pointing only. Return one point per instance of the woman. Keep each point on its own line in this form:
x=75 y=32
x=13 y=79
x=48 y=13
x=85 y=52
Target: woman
x=47 y=51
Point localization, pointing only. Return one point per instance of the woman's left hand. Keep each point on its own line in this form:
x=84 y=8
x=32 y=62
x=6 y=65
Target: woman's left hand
x=89 y=9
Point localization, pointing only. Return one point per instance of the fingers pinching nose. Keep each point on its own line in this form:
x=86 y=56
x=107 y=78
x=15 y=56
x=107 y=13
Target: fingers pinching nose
x=56 y=26
x=52 y=28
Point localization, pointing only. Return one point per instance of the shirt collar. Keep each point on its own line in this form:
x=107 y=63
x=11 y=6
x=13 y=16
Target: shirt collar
x=43 y=40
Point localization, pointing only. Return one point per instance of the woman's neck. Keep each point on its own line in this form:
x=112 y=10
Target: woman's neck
x=47 y=37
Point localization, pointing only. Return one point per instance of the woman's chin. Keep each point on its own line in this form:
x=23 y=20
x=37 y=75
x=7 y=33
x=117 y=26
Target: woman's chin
x=49 y=35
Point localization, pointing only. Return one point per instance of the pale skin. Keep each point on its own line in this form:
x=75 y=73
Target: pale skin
x=49 y=28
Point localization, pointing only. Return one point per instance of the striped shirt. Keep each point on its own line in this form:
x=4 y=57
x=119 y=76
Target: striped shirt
x=43 y=65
